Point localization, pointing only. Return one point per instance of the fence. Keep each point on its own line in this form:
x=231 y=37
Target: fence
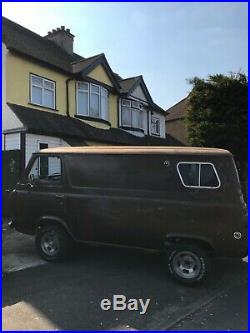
x=11 y=170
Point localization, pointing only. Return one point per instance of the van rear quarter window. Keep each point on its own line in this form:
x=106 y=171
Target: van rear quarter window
x=120 y=171
x=208 y=176
x=198 y=174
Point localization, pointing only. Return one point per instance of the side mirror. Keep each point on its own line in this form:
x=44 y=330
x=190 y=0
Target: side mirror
x=31 y=177
x=32 y=180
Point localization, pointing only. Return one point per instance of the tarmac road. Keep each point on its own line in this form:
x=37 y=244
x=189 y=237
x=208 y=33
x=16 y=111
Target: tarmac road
x=67 y=296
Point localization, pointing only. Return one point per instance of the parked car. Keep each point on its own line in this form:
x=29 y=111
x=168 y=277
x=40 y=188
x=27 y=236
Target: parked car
x=187 y=201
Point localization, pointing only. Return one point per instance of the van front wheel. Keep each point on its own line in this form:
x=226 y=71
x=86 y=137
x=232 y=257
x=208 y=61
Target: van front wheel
x=188 y=263
x=52 y=242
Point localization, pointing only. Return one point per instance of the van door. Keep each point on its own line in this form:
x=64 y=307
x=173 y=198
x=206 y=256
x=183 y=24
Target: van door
x=41 y=194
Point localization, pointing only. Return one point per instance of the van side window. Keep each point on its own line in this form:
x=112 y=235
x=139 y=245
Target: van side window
x=189 y=173
x=198 y=175
x=46 y=170
x=208 y=177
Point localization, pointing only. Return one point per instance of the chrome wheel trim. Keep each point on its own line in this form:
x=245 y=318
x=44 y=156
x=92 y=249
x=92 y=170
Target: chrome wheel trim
x=187 y=264
x=50 y=243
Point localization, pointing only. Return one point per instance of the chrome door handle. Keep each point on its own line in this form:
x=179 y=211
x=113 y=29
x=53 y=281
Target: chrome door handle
x=59 y=196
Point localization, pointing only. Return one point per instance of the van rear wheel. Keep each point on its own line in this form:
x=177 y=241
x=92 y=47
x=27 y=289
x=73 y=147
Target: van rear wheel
x=52 y=242
x=188 y=263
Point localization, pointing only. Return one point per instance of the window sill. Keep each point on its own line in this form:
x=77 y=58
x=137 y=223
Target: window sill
x=98 y=120
x=155 y=134
x=42 y=107
x=133 y=129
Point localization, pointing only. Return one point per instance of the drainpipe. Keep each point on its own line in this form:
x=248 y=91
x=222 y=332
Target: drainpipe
x=148 y=120
x=67 y=95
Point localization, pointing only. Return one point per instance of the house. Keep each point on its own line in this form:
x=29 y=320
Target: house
x=55 y=97
x=176 y=125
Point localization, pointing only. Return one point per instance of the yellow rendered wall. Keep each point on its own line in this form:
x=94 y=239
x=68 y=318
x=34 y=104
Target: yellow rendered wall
x=18 y=71
x=99 y=74
x=17 y=81
x=113 y=110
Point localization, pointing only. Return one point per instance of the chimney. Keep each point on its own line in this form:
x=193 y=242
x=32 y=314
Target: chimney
x=63 y=38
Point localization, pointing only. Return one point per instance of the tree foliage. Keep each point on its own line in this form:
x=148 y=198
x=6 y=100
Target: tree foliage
x=218 y=113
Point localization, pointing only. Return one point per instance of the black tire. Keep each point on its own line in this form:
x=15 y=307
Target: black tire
x=188 y=263
x=52 y=242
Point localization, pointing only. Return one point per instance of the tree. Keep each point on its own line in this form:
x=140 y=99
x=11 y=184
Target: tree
x=218 y=115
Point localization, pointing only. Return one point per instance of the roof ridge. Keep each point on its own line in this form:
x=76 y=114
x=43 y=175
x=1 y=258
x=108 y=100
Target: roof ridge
x=132 y=77
x=8 y=21
x=89 y=58
x=36 y=35
x=183 y=99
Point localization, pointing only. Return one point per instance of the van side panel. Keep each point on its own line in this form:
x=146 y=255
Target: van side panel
x=139 y=200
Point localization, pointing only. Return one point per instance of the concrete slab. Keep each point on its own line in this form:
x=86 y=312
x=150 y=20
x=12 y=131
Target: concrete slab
x=18 y=251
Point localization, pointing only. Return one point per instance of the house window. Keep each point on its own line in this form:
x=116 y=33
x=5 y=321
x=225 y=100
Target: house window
x=131 y=114
x=92 y=100
x=42 y=91
x=155 y=126
x=198 y=175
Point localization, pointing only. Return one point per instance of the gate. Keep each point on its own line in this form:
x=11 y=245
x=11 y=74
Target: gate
x=11 y=171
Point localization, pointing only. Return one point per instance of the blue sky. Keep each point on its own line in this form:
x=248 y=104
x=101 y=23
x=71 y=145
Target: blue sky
x=166 y=42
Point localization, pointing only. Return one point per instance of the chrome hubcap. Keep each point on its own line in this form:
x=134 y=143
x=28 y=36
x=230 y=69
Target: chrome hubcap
x=50 y=243
x=187 y=264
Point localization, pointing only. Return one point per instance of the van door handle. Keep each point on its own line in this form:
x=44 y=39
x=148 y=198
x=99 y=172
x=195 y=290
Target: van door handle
x=59 y=196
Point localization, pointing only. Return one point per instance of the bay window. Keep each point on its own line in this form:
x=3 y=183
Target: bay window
x=92 y=100
x=42 y=91
x=131 y=114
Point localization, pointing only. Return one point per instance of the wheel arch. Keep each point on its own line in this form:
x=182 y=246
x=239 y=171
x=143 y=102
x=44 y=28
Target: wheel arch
x=53 y=220
x=174 y=238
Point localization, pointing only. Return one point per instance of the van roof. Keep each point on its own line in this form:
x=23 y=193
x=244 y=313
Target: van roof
x=136 y=150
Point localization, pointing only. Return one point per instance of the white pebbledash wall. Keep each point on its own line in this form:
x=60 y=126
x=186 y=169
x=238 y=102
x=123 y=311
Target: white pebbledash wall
x=33 y=141
x=12 y=142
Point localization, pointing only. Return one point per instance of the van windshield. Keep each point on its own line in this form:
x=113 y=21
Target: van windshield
x=46 y=169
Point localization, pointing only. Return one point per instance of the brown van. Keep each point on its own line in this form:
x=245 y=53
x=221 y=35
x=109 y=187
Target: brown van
x=185 y=200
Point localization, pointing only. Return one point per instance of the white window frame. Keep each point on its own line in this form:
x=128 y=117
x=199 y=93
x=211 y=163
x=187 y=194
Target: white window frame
x=89 y=92
x=99 y=99
x=131 y=107
x=199 y=186
x=156 y=119
x=43 y=88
